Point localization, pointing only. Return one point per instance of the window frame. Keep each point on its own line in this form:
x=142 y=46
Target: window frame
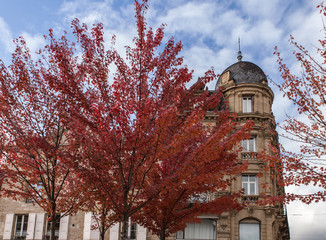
x=132 y=230
x=247 y=222
x=21 y=231
x=247 y=143
x=247 y=190
x=247 y=102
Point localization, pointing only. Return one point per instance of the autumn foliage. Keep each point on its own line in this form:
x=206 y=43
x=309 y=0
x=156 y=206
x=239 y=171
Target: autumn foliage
x=33 y=141
x=307 y=92
x=130 y=130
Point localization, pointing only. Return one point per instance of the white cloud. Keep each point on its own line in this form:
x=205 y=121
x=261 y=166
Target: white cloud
x=6 y=36
x=34 y=42
x=191 y=18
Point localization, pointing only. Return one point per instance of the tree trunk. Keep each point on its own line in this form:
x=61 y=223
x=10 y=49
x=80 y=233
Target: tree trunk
x=162 y=235
x=52 y=228
x=102 y=231
x=124 y=228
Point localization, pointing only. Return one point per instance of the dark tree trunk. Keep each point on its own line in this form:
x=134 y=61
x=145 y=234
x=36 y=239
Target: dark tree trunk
x=102 y=231
x=124 y=228
x=52 y=228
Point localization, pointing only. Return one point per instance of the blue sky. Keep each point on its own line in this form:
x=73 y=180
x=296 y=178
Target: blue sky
x=209 y=30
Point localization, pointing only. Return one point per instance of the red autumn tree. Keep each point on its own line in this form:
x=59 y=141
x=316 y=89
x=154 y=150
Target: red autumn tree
x=134 y=135
x=32 y=139
x=307 y=92
x=134 y=125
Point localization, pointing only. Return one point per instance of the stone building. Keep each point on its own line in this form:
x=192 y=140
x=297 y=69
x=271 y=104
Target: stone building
x=245 y=85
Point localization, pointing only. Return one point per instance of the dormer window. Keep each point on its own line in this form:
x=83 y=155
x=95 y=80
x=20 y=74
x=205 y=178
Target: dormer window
x=247 y=103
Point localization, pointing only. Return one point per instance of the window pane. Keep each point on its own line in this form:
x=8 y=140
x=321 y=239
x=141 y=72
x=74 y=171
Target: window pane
x=245 y=186
x=244 y=145
x=245 y=178
x=244 y=105
x=249 y=231
x=179 y=234
x=252 y=178
x=247 y=104
x=19 y=223
x=133 y=230
x=251 y=145
x=252 y=189
x=205 y=230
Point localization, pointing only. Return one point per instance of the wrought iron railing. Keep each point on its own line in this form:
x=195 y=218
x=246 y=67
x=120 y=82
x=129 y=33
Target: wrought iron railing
x=250 y=199
x=247 y=156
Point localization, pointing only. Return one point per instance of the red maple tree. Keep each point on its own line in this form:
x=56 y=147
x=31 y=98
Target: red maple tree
x=32 y=139
x=129 y=128
x=307 y=92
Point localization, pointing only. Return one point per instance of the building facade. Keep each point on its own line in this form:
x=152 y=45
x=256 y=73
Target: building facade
x=246 y=88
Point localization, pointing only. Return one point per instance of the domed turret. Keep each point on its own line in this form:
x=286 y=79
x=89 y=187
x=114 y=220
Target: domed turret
x=242 y=72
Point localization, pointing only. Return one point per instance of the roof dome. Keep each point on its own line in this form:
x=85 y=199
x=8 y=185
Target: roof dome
x=243 y=72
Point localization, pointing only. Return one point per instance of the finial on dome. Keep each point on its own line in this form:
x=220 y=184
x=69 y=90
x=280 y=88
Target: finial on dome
x=239 y=52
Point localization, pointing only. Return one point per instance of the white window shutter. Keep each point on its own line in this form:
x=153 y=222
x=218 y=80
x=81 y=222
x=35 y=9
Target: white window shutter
x=89 y=221
x=95 y=234
x=114 y=232
x=31 y=226
x=141 y=232
x=8 y=226
x=40 y=217
x=87 y=226
x=63 y=229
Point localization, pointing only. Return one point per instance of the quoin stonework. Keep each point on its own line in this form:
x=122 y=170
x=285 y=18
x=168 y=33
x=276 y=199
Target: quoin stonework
x=246 y=87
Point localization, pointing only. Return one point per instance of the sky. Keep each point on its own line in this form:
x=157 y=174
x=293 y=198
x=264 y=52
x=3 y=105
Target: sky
x=209 y=31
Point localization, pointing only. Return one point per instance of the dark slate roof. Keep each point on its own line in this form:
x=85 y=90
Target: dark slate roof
x=244 y=72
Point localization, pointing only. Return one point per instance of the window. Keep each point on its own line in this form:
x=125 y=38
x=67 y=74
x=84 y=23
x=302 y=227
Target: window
x=132 y=230
x=249 y=229
x=250 y=184
x=57 y=226
x=247 y=104
x=249 y=145
x=21 y=221
x=204 y=230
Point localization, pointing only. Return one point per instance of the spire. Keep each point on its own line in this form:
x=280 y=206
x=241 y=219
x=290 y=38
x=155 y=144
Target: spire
x=239 y=52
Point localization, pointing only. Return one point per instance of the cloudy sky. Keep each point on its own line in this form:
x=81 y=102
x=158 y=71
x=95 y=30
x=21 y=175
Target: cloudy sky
x=209 y=30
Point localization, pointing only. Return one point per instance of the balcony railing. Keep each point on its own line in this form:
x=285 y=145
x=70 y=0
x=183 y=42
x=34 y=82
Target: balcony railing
x=248 y=156
x=202 y=197
x=250 y=199
x=19 y=238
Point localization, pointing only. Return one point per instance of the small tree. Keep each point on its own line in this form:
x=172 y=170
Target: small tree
x=32 y=139
x=307 y=92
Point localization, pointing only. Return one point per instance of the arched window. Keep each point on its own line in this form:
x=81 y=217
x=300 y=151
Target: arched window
x=249 y=229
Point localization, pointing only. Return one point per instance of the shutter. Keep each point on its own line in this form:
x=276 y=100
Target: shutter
x=87 y=226
x=141 y=233
x=114 y=232
x=63 y=229
x=8 y=226
x=40 y=217
x=31 y=226
x=95 y=234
